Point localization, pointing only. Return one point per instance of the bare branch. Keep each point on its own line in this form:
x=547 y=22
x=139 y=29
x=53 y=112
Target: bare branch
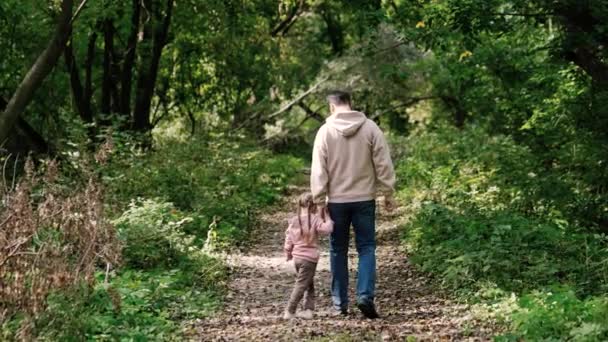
x=284 y=25
x=311 y=113
x=78 y=10
x=525 y=15
x=298 y=99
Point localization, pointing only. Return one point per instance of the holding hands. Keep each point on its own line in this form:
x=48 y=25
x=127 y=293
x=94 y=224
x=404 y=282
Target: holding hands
x=389 y=203
x=324 y=213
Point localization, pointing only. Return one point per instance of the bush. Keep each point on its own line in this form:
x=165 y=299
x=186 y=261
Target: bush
x=135 y=305
x=487 y=212
x=189 y=198
x=554 y=314
x=153 y=235
x=165 y=279
x=519 y=254
x=51 y=241
x=215 y=180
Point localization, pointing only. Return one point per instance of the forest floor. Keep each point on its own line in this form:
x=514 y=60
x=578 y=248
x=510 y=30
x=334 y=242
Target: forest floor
x=261 y=281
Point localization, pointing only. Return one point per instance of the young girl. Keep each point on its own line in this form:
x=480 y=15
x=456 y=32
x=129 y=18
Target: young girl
x=302 y=245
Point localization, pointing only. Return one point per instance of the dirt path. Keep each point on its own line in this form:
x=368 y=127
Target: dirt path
x=262 y=280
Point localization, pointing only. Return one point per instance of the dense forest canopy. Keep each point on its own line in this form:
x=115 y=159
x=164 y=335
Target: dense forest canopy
x=497 y=111
x=147 y=62
x=533 y=70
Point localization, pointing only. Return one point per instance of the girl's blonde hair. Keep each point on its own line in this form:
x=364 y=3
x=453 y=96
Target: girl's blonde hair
x=306 y=201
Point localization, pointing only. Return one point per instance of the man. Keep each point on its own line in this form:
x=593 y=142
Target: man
x=351 y=163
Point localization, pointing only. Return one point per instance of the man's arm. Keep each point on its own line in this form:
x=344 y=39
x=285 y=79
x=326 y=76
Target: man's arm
x=319 y=178
x=385 y=173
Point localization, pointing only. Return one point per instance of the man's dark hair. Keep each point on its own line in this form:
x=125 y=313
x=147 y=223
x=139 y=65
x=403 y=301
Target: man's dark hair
x=338 y=97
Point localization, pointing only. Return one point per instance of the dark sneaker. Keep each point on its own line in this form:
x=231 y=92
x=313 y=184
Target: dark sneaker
x=368 y=310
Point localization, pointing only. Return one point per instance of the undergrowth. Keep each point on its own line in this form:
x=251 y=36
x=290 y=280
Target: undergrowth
x=497 y=226
x=166 y=210
x=221 y=182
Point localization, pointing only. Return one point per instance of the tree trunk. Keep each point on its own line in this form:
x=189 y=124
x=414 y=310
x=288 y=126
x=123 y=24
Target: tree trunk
x=334 y=31
x=106 y=87
x=584 y=40
x=38 y=72
x=141 y=120
x=116 y=76
x=88 y=82
x=587 y=60
x=84 y=110
x=33 y=138
x=460 y=115
x=149 y=72
x=129 y=62
x=27 y=138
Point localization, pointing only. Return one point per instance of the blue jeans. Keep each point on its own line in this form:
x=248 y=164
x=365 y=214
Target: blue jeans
x=362 y=215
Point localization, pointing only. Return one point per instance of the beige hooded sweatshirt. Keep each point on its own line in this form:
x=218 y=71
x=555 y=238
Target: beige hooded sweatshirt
x=351 y=160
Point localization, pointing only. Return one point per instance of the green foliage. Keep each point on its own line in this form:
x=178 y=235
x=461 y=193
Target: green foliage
x=474 y=171
x=219 y=182
x=554 y=314
x=135 y=305
x=165 y=278
x=153 y=235
x=484 y=212
x=504 y=64
x=512 y=203
x=517 y=201
x=504 y=248
x=167 y=275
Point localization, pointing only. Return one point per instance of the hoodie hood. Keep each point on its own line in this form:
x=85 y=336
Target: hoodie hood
x=347 y=123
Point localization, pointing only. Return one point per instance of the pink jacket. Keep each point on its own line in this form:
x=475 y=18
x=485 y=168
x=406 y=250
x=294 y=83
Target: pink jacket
x=303 y=246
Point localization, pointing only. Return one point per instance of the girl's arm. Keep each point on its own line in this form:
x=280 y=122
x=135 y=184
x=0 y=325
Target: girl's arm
x=288 y=246
x=327 y=227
